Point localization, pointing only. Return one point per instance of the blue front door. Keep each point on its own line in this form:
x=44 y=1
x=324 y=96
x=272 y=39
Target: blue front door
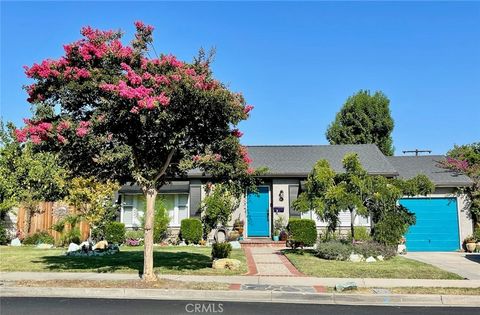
x=436 y=228
x=257 y=212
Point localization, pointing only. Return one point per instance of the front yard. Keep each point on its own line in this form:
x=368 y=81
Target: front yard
x=167 y=260
x=395 y=268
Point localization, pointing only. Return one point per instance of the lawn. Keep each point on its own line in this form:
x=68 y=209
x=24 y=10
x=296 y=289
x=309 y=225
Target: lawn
x=395 y=268
x=167 y=260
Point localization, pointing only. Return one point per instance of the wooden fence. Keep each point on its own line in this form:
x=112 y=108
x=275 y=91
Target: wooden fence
x=45 y=218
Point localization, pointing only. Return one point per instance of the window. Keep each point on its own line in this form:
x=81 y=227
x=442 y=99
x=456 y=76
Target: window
x=344 y=217
x=133 y=208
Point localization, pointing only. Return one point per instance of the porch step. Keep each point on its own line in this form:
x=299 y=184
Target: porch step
x=262 y=242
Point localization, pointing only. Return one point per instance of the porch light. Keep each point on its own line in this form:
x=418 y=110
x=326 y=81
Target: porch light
x=280 y=195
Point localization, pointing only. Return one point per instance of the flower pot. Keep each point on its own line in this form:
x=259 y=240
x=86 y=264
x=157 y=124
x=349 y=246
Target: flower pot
x=478 y=247
x=276 y=238
x=471 y=247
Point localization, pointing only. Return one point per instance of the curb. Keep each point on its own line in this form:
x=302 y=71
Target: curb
x=245 y=296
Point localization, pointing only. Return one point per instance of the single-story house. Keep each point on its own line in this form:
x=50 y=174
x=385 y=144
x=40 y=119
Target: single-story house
x=442 y=218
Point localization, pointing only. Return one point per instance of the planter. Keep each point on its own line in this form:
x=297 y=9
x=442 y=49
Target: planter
x=478 y=247
x=276 y=238
x=471 y=247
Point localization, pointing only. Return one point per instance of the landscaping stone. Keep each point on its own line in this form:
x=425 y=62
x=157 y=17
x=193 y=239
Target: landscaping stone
x=402 y=249
x=44 y=246
x=226 y=263
x=235 y=245
x=182 y=243
x=380 y=258
x=73 y=247
x=370 y=259
x=355 y=258
x=16 y=242
x=381 y=291
x=340 y=287
x=100 y=245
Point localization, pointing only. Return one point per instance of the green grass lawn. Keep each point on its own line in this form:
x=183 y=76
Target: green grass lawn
x=167 y=260
x=395 y=268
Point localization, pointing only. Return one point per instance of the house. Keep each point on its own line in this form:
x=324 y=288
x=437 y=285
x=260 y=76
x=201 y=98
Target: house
x=442 y=217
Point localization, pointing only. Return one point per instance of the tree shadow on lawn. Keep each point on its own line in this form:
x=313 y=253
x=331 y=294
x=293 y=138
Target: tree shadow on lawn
x=127 y=261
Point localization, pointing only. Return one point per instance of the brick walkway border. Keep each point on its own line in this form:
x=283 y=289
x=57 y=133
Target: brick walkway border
x=252 y=267
x=294 y=271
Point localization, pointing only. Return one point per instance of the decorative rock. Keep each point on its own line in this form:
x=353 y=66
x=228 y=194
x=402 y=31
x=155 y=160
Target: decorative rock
x=370 y=259
x=100 y=245
x=402 y=249
x=226 y=263
x=380 y=258
x=16 y=242
x=182 y=243
x=235 y=245
x=345 y=286
x=44 y=246
x=73 y=247
x=355 y=258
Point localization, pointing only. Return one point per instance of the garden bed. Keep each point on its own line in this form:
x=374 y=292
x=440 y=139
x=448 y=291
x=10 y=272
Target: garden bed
x=395 y=268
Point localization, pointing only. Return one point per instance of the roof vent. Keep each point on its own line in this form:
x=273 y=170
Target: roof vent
x=417 y=152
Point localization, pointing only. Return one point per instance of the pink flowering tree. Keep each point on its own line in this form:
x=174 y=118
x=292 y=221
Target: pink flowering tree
x=113 y=112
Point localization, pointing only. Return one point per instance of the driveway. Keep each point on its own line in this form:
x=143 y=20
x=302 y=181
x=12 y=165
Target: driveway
x=463 y=264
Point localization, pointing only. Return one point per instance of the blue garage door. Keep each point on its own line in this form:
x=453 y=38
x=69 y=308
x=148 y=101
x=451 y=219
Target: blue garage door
x=257 y=212
x=436 y=228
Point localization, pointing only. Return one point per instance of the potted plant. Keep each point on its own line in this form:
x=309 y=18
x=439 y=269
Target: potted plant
x=470 y=243
x=277 y=227
x=276 y=235
x=238 y=226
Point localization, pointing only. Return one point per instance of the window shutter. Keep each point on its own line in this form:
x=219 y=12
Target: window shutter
x=292 y=196
x=195 y=200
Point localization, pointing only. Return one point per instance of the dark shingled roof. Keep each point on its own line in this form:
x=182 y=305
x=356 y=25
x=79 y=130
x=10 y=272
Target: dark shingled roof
x=410 y=166
x=298 y=160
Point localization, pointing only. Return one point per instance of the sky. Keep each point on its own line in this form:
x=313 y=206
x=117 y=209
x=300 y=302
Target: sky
x=295 y=62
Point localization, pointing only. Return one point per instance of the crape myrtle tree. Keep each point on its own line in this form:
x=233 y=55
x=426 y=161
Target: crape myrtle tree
x=328 y=193
x=364 y=118
x=114 y=112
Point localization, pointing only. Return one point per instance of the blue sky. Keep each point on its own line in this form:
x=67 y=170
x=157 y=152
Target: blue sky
x=295 y=62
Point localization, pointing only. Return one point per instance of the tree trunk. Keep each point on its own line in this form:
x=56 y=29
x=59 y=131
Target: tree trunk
x=148 y=274
x=352 y=221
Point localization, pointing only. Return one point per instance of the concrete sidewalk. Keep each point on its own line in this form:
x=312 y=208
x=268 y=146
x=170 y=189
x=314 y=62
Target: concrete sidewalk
x=271 y=280
x=466 y=265
x=246 y=296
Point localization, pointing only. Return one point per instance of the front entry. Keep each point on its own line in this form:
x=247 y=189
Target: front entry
x=257 y=213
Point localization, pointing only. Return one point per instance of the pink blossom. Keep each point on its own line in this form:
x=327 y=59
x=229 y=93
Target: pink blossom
x=244 y=153
x=63 y=125
x=176 y=77
x=237 y=133
x=190 y=72
x=163 y=99
x=248 y=109
x=82 y=132
x=162 y=79
x=21 y=135
x=196 y=158
x=171 y=60
x=147 y=76
x=217 y=157
x=84 y=124
x=61 y=139
x=250 y=170
x=142 y=27
x=35 y=139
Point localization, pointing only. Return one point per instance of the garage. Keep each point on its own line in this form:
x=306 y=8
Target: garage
x=436 y=227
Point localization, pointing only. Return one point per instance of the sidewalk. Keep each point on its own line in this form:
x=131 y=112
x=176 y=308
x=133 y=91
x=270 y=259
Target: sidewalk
x=246 y=296
x=268 y=280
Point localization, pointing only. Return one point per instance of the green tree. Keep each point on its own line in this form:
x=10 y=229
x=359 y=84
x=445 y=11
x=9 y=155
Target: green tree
x=114 y=113
x=465 y=159
x=217 y=207
x=364 y=118
x=27 y=178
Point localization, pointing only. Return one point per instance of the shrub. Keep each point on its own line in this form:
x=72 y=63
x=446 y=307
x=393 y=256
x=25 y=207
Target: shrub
x=221 y=250
x=134 y=234
x=72 y=236
x=115 y=232
x=4 y=239
x=334 y=250
x=191 y=230
x=39 y=238
x=160 y=221
x=361 y=234
x=476 y=234
x=302 y=232
x=374 y=249
x=393 y=225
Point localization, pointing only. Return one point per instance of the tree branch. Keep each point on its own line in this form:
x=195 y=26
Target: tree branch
x=165 y=165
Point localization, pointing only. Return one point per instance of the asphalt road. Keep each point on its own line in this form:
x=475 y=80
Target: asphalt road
x=67 y=306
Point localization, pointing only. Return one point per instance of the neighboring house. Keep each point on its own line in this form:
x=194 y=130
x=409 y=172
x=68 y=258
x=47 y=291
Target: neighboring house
x=442 y=218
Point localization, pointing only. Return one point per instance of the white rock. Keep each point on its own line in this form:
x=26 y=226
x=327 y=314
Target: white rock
x=235 y=244
x=44 y=246
x=380 y=257
x=73 y=247
x=402 y=249
x=226 y=263
x=182 y=243
x=370 y=259
x=16 y=242
x=355 y=258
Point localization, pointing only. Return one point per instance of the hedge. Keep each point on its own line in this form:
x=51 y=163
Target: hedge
x=302 y=232
x=191 y=230
x=115 y=232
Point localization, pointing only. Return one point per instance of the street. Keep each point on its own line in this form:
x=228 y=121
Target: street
x=66 y=306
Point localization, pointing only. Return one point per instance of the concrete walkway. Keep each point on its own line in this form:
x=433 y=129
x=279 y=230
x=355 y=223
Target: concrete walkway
x=267 y=280
x=269 y=261
x=463 y=264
